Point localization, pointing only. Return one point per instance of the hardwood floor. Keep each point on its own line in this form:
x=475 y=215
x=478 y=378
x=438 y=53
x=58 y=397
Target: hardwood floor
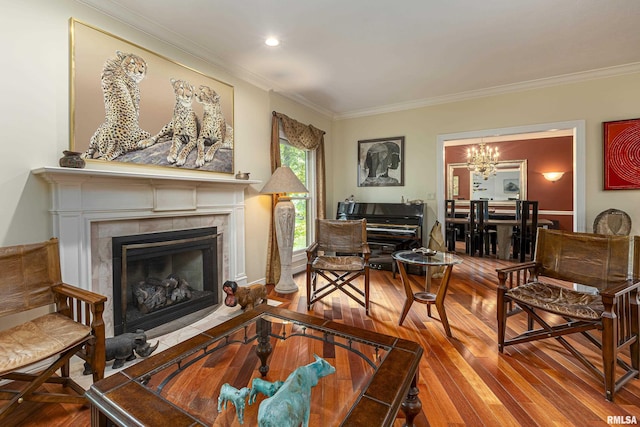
x=463 y=380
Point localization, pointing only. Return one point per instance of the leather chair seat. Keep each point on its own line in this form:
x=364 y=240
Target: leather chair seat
x=38 y=339
x=341 y=263
x=559 y=300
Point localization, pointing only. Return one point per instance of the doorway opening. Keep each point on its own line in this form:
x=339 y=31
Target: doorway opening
x=531 y=132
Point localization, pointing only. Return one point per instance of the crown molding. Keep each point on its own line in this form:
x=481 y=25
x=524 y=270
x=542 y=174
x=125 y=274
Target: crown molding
x=496 y=90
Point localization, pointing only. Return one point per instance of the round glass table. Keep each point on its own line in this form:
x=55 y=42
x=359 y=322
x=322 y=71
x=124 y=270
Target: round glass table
x=438 y=259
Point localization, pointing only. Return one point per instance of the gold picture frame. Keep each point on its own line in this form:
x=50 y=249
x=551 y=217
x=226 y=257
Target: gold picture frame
x=90 y=49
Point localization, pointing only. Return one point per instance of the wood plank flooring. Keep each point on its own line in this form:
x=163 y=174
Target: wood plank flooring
x=463 y=380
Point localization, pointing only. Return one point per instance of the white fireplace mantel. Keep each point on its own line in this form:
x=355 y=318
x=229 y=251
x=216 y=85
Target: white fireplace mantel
x=80 y=197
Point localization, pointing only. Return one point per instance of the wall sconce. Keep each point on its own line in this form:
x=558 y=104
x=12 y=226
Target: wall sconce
x=552 y=176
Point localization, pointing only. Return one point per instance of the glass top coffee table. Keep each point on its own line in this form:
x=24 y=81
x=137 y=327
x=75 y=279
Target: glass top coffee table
x=376 y=374
x=437 y=259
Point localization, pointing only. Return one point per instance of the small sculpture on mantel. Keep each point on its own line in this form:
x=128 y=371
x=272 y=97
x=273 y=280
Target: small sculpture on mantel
x=245 y=296
x=72 y=159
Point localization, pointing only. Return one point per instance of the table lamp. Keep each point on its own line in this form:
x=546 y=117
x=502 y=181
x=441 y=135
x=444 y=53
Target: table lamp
x=281 y=182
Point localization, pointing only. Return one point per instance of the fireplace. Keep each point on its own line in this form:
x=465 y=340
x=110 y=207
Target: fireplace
x=160 y=277
x=91 y=206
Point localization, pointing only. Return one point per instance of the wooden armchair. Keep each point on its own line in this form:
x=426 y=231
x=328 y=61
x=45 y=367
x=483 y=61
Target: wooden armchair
x=564 y=263
x=339 y=255
x=30 y=278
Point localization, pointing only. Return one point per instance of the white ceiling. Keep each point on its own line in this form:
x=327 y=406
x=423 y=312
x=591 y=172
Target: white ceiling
x=348 y=58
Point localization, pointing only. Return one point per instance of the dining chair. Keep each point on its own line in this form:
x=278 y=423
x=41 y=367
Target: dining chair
x=479 y=235
x=451 y=231
x=524 y=236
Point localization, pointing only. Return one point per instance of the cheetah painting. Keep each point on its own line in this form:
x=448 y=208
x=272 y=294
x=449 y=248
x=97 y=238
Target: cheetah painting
x=121 y=101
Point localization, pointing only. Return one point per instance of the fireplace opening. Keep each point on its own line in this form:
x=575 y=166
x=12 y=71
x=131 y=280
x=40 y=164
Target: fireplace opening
x=160 y=277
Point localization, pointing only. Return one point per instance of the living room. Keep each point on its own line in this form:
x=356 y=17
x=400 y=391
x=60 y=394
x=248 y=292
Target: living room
x=36 y=105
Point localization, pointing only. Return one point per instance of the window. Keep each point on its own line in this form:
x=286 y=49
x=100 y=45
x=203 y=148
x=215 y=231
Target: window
x=302 y=164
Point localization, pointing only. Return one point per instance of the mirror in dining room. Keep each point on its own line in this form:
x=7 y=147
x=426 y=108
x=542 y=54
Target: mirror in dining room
x=508 y=183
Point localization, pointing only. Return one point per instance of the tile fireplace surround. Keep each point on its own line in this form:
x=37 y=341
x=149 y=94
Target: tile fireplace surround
x=90 y=206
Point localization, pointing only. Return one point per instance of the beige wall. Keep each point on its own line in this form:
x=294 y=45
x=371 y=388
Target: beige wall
x=593 y=101
x=35 y=109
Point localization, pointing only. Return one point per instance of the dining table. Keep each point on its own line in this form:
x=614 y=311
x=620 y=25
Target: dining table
x=504 y=229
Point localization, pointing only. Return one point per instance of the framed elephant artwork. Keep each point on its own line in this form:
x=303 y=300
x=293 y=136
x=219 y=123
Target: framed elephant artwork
x=381 y=162
x=131 y=105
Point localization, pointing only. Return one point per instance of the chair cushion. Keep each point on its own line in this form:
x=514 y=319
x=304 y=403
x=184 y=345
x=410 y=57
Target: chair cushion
x=338 y=263
x=38 y=339
x=559 y=300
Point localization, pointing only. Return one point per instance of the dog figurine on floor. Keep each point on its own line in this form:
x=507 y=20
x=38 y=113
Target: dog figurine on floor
x=245 y=296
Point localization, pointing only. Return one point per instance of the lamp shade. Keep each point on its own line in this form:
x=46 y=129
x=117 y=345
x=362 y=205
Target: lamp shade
x=283 y=180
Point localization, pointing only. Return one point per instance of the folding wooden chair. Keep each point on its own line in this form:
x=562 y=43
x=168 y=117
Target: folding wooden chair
x=339 y=255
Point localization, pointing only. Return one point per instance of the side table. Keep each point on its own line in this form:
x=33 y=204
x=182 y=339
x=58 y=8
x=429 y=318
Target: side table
x=440 y=259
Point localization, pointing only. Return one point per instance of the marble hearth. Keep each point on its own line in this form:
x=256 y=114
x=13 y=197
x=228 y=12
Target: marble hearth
x=90 y=206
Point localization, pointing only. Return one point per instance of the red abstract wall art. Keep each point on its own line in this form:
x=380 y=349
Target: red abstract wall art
x=622 y=155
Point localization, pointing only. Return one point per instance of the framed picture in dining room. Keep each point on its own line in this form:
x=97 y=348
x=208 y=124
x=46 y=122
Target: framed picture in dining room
x=511 y=185
x=622 y=154
x=381 y=162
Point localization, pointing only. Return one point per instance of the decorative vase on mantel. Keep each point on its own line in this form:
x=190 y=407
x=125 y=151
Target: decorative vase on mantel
x=72 y=159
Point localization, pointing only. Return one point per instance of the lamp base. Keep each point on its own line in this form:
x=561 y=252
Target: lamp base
x=286 y=285
x=284 y=217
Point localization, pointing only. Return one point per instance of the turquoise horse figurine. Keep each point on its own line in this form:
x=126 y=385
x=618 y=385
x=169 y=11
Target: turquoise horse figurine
x=290 y=406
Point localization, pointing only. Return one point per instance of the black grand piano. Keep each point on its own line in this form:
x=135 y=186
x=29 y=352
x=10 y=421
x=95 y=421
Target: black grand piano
x=390 y=227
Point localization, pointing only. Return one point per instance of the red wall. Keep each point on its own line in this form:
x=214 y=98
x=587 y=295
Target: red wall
x=542 y=155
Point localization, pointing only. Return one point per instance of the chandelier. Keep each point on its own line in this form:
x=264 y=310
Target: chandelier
x=482 y=160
